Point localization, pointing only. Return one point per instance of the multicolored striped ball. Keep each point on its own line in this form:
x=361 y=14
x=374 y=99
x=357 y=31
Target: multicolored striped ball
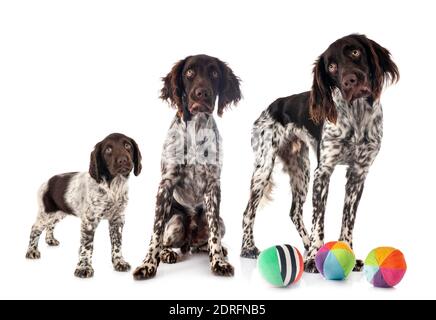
x=335 y=260
x=281 y=265
x=385 y=267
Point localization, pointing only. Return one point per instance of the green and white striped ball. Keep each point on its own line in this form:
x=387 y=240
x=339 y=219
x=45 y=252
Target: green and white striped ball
x=281 y=265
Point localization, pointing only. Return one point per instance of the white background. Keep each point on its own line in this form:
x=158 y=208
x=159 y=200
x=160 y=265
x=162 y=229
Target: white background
x=73 y=71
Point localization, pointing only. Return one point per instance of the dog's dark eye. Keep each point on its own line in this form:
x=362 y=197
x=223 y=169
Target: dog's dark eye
x=333 y=67
x=190 y=73
x=128 y=146
x=108 y=150
x=215 y=74
x=355 y=53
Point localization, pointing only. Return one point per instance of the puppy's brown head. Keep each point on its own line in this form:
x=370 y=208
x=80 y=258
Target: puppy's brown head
x=195 y=82
x=115 y=155
x=357 y=66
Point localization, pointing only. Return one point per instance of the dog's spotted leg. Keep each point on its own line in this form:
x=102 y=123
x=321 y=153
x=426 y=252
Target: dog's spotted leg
x=265 y=141
x=353 y=192
x=330 y=152
x=84 y=267
x=295 y=158
x=320 y=192
x=149 y=266
x=173 y=237
x=32 y=250
x=218 y=262
x=38 y=227
x=49 y=236
x=116 y=235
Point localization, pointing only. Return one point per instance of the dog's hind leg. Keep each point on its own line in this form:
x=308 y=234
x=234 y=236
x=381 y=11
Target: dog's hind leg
x=295 y=157
x=37 y=228
x=174 y=237
x=265 y=141
x=199 y=239
x=49 y=236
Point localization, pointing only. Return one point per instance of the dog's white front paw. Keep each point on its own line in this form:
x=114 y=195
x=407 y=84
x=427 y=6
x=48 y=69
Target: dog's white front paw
x=33 y=254
x=52 y=242
x=145 y=271
x=221 y=267
x=310 y=266
x=84 y=271
x=121 y=266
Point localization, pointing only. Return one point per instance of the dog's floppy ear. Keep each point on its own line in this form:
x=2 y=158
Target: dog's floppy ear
x=229 y=91
x=383 y=70
x=321 y=103
x=172 y=90
x=96 y=164
x=137 y=158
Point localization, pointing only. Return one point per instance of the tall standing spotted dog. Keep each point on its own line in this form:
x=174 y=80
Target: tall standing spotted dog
x=341 y=119
x=92 y=196
x=188 y=199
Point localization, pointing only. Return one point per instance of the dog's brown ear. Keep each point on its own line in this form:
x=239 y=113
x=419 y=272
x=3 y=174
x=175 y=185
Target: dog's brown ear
x=96 y=169
x=229 y=91
x=172 y=90
x=383 y=70
x=321 y=105
x=137 y=158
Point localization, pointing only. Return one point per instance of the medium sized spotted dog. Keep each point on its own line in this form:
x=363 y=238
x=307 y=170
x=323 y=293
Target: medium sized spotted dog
x=92 y=196
x=341 y=119
x=188 y=199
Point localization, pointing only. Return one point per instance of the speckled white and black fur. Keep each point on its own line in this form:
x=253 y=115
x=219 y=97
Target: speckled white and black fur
x=353 y=141
x=91 y=202
x=91 y=196
x=188 y=196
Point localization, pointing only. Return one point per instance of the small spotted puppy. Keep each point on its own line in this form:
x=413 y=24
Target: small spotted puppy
x=92 y=196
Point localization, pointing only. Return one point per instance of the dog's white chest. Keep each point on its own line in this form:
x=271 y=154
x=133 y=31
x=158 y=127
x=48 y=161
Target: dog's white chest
x=357 y=133
x=195 y=147
x=106 y=201
x=112 y=203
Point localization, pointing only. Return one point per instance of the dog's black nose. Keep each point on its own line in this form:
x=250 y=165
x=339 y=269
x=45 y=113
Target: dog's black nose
x=349 y=81
x=202 y=93
x=122 y=161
